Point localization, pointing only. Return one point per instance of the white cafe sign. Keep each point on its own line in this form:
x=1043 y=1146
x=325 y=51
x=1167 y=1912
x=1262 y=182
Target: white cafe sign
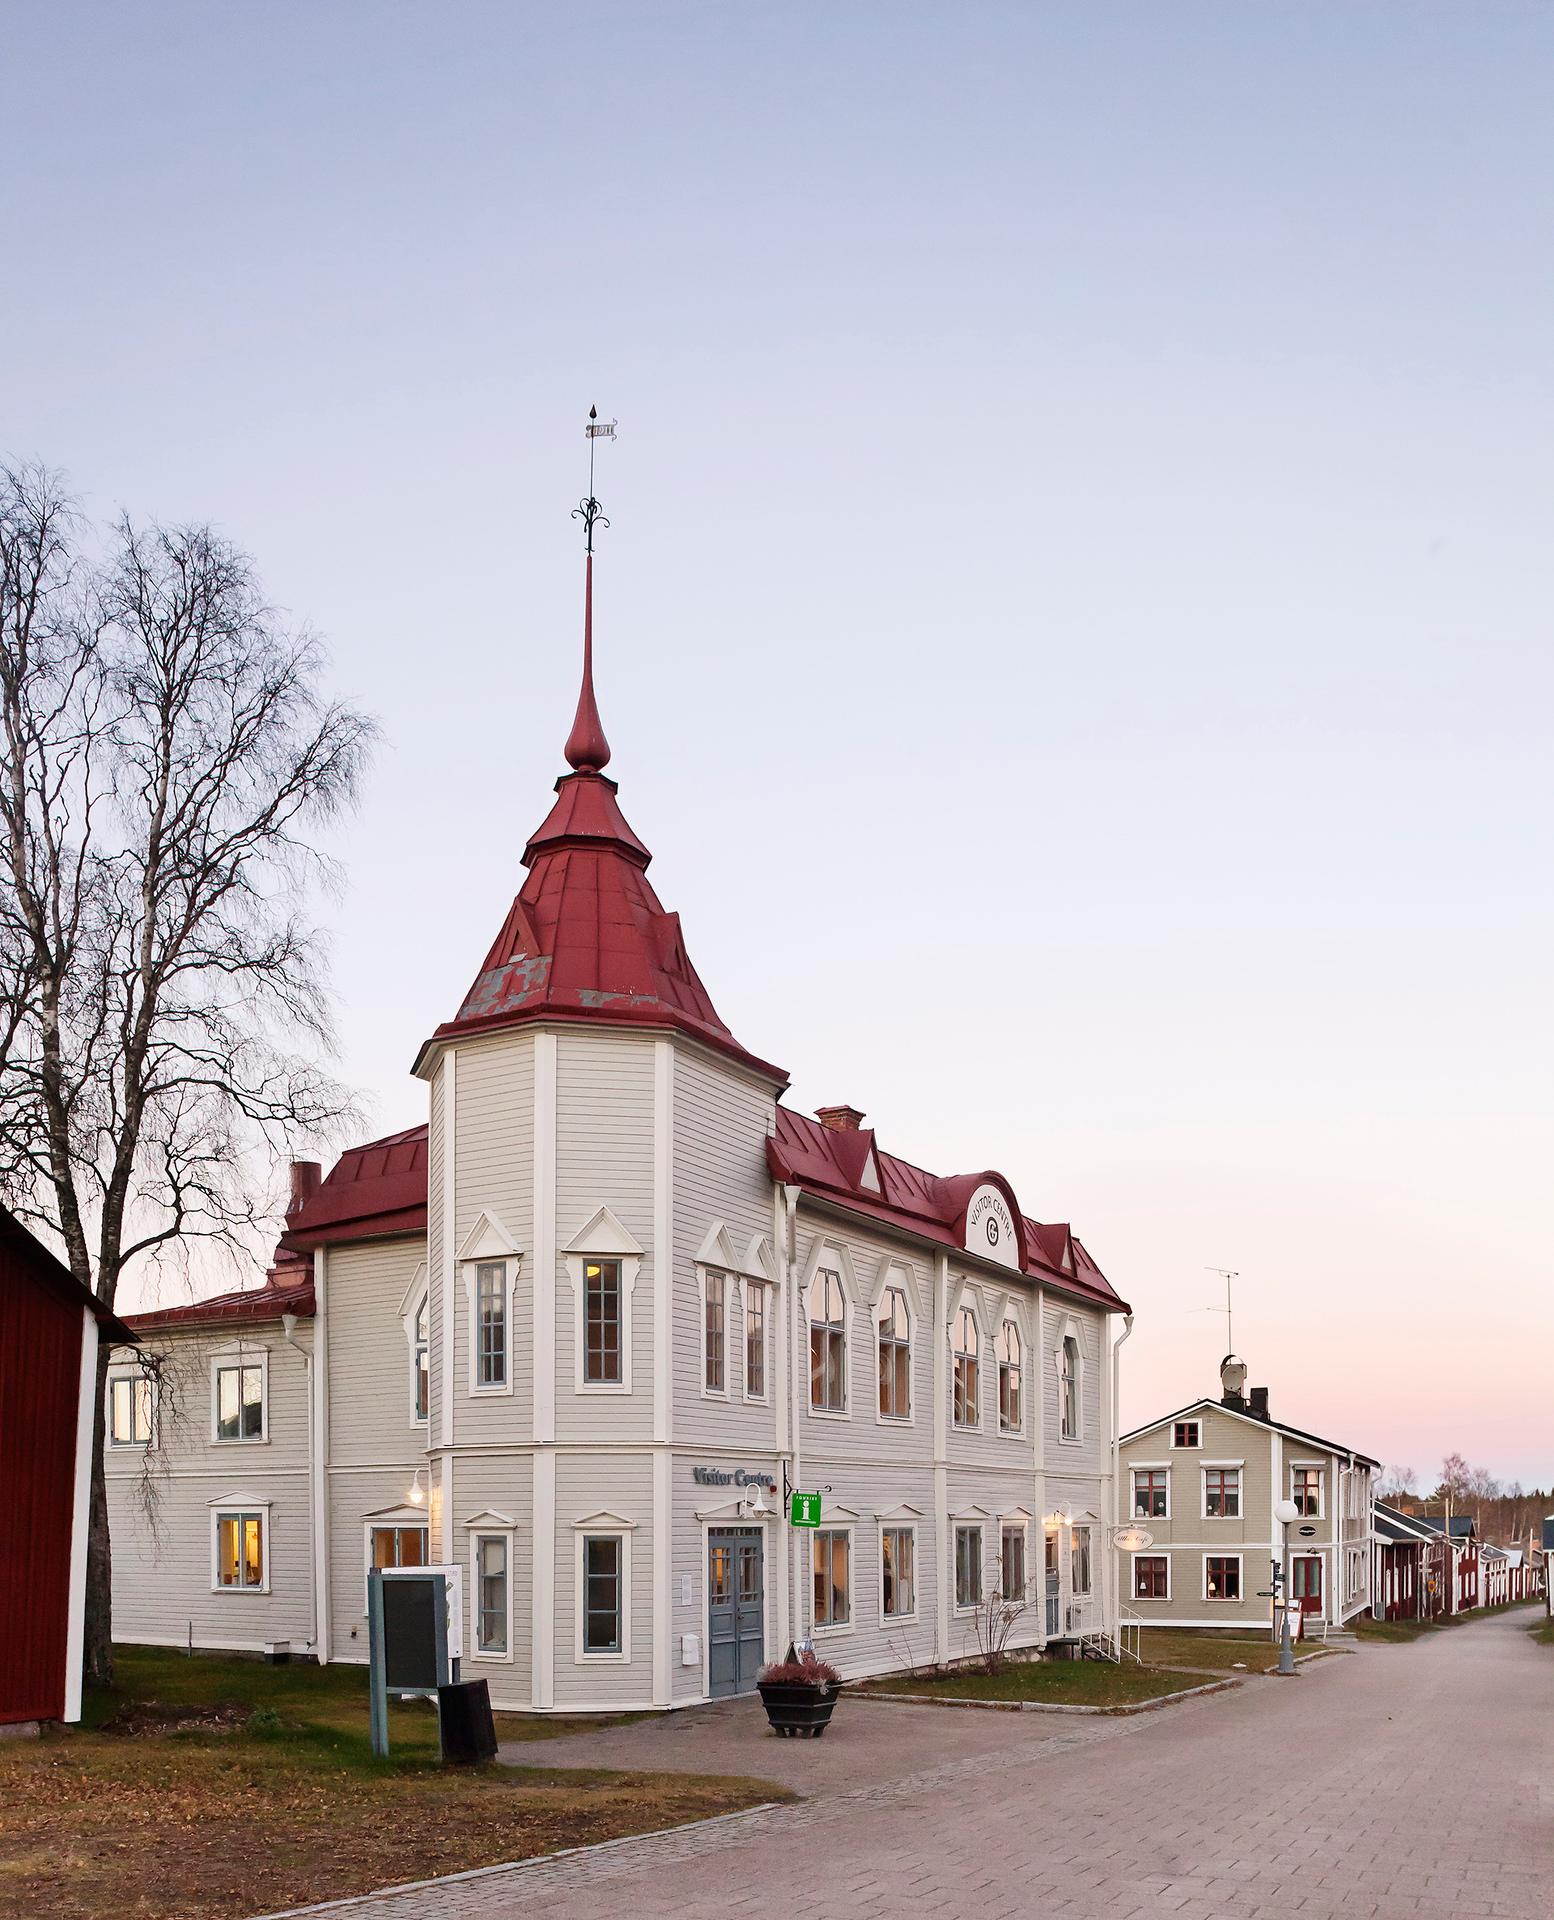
x=990 y=1228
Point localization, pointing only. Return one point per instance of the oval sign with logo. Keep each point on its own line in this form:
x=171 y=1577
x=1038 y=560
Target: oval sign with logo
x=1133 y=1539
x=1308 y=1533
x=990 y=1228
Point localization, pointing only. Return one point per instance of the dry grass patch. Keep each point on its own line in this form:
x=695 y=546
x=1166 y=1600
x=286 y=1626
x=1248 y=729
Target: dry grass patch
x=1207 y=1650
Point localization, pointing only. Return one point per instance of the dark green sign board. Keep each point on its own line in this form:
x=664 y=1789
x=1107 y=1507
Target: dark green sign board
x=804 y=1510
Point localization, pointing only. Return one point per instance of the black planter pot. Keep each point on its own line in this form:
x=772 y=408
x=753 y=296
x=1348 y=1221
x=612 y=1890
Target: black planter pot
x=796 y=1707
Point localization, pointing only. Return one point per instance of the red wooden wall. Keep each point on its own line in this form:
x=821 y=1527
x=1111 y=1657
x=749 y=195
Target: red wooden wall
x=40 y=1378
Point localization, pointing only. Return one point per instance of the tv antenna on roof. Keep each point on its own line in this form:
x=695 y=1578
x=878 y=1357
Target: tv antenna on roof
x=1227 y=1274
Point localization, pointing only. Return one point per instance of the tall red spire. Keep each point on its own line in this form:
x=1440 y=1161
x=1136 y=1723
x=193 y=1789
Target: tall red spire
x=587 y=750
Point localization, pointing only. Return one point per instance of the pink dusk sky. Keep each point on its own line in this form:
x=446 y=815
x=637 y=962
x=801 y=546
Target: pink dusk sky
x=1075 y=627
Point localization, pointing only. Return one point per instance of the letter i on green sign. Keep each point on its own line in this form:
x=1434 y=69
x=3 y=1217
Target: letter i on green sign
x=804 y=1510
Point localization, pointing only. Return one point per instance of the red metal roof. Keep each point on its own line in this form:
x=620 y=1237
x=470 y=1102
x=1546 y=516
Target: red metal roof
x=371 y=1191
x=829 y=1163
x=288 y=1288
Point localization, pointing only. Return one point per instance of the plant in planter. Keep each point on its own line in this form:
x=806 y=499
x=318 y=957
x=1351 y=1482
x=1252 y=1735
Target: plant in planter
x=798 y=1694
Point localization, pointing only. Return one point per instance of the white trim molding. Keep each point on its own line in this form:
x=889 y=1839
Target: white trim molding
x=489 y=1244
x=490 y=1525
x=231 y=1506
x=236 y=1354
x=602 y=1526
x=601 y=1238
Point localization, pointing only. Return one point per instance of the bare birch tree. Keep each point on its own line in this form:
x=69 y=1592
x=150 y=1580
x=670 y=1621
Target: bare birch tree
x=165 y=753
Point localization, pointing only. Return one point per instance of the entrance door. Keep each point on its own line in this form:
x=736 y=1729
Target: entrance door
x=736 y=1626
x=1306 y=1582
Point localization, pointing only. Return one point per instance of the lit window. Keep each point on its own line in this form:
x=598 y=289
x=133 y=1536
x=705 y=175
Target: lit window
x=491 y=1314
x=421 y=1362
x=1306 y=1491
x=833 y=1589
x=1151 y=1578
x=398 y=1546
x=897 y=1583
x=129 y=1419
x=1080 y=1577
x=1222 y=1577
x=895 y=1336
x=1068 y=1383
x=602 y=1592
x=1185 y=1434
x=491 y=1576
x=755 y=1340
x=1012 y=1561
x=1150 y=1492
x=968 y=1566
x=827 y=1343
x=1010 y=1411
x=1222 y=1493
x=240 y=1402
x=966 y=1368
x=240 y=1550
x=602 y=1324
x=713 y=1332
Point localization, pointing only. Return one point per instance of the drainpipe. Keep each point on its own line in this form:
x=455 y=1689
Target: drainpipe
x=1113 y=1559
x=289 y=1335
x=790 y=1195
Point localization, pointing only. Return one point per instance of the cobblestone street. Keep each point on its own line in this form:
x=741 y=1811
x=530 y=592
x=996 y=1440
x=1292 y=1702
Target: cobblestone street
x=1394 y=1782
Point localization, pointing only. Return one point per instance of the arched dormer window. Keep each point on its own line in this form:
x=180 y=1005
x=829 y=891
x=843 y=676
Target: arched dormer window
x=895 y=1355
x=1068 y=1387
x=827 y=1342
x=1011 y=1405
x=965 y=1349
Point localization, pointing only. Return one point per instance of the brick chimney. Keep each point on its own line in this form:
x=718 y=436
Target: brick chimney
x=306 y=1178
x=839 y=1119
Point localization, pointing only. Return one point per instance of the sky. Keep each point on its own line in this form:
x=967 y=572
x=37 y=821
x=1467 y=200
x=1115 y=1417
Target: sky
x=1075 y=624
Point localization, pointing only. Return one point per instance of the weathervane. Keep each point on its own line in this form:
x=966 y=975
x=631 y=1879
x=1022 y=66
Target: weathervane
x=1227 y=1274
x=588 y=510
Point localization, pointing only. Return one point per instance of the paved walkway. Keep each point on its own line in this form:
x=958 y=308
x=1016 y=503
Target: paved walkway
x=1390 y=1784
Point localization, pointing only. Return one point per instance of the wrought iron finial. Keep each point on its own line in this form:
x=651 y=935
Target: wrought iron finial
x=588 y=509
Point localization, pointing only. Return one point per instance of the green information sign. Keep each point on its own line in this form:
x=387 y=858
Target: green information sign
x=804 y=1510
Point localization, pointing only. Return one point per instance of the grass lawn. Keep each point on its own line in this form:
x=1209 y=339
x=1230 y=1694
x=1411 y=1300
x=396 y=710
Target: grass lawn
x=1389 y=1630
x=1057 y=1683
x=1206 y=1650
x=270 y=1797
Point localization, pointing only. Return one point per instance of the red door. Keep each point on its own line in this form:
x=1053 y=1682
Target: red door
x=1306 y=1582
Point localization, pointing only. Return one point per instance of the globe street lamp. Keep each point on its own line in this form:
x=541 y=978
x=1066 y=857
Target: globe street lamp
x=1286 y=1513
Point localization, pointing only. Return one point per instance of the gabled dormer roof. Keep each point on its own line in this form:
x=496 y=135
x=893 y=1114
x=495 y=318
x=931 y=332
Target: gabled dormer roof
x=1208 y=1405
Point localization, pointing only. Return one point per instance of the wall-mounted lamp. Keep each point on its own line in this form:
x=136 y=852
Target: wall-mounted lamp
x=417 y=1491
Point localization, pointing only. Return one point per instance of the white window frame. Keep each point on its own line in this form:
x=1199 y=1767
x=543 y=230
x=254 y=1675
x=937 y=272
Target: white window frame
x=487 y=1244
x=959 y=1524
x=896 y=1281
x=1318 y=1467
x=763 y=1293
x=602 y=1238
x=1070 y=1331
x=1019 y=1523
x=1187 y=1446
x=1205 y=1468
x=1009 y=1318
x=417 y=1296
x=137 y=1378
x=1241 y=1593
x=891 y=1524
x=601 y=1526
x=489 y=1526
x=240 y=1353
x=1136 y=1467
x=726 y=1280
x=1151 y=1553
x=231 y=1506
x=845 y=1410
x=966 y=1302
x=399 y=1518
x=845 y=1528
x=1089 y=1528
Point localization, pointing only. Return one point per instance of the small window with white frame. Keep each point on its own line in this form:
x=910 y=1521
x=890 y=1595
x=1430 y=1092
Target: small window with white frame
x=827 y=1307
x=419 y=1333
x=604 y=1557
x=714 y=1332
x=1151 y=1576
x=755 y=1339
x=968 y=1567
x=239 y=1383
x=898 y=1573
x=240 y=1549
x=1222 y=1492
x=895 y=1355
x=1011 y=1399
x=1187 y=1434
x=1222 y=1576
x=964 y=1395
x=1151 y=1493
x=491 y=1328
x=131 y=1409
x=1081 y=1573
x=832 y=1556
x=1070 y=1388
x=1011 y=1562
x=1307 y=1490
x=492 y=1554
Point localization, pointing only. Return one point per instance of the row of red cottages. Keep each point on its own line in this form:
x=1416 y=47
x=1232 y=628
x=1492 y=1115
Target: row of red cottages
x=1430 y=1568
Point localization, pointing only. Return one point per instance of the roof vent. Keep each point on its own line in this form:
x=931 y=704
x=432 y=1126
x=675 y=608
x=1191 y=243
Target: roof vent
x=839 y=1119
x=306 y=1178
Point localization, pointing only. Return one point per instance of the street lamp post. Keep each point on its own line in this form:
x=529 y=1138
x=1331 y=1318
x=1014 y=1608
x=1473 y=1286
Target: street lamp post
x=1286 y=1513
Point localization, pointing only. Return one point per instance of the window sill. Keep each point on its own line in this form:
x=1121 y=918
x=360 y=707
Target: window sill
x=241 y=1440
x=253 y=1593
x=603 y=1659
x=829 y=1413
x=888 y=1620
x=841 y=1627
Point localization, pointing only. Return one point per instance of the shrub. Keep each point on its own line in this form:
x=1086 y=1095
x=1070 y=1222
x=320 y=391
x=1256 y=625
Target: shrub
x=804 y=1671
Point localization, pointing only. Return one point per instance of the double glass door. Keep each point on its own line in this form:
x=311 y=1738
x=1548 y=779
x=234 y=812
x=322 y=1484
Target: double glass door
x=736 y=1625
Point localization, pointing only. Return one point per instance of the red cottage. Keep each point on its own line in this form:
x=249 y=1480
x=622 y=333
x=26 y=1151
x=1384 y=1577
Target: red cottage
x=49 y=1329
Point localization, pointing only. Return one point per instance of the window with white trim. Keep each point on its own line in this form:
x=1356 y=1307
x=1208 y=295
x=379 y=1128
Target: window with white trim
x=1081 y=1578
x=129 y=1410
x=1186 y=1433
x=1011 y=1409
x=895 y=1356
x=1151 y=1493
x=239 y=1399
x=1151 y=1576
x=714 y=1331
x=493 y=1593
x=832 y=1558
x=965 y=1380
x=1306 y=1490
x=241 y=1549
x=1068 y=1387
x=491 y=1323
x=827 y=1306
x=755 y=1340
x=421 y=1362
x=1222 y=1576
x=1012 y=1562
x=1222 y=1493
x=898 y=1575
x=603 y=1315
x=397 y=1546
x=604 y=1556
x=968 y=1567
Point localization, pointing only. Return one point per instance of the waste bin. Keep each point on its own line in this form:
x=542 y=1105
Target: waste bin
x=464 y=1713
